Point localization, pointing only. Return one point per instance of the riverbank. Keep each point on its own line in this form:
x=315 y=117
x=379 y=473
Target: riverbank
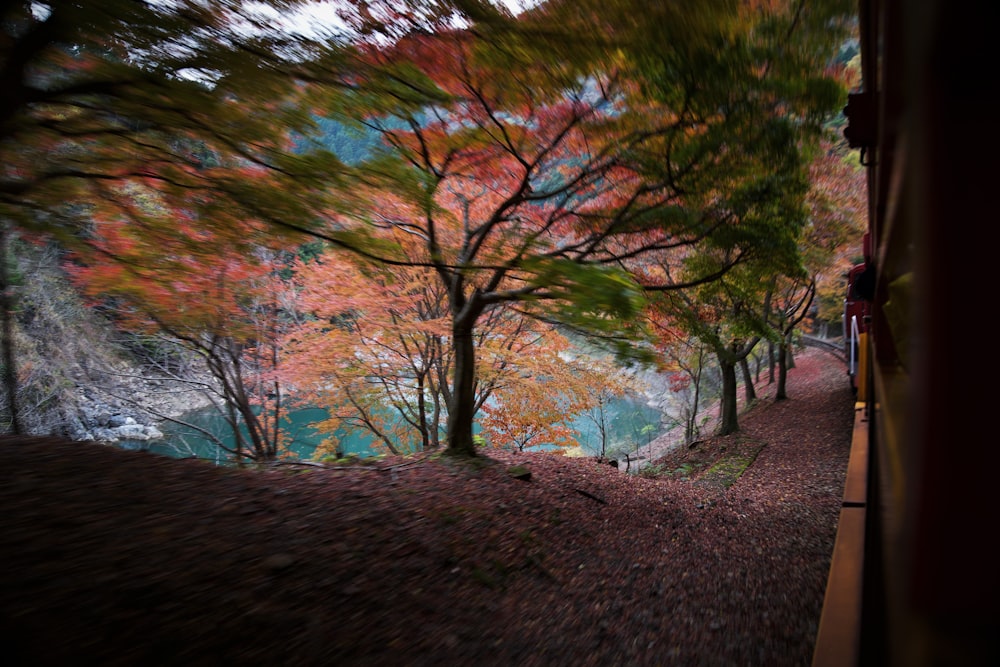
x=130 y=403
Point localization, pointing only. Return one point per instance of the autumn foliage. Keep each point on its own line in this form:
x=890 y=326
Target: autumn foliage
x=531 y=180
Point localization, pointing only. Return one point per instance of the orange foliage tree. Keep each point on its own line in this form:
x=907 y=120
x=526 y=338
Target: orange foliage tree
x=376 y=355
x=104 y=100
x=837 y=222
x=228 y=307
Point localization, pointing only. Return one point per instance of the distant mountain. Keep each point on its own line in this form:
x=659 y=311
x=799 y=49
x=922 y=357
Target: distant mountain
x=349 y=144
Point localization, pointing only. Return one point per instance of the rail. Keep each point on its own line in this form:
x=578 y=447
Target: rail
x=833 y=346
x=838 y=640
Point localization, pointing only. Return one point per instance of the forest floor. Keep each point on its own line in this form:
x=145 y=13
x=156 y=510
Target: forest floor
x=114 y=557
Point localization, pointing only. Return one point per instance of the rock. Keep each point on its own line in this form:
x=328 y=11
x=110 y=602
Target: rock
x=135 y=431
x=102 y=435
x=519 y=472
x=119 y=420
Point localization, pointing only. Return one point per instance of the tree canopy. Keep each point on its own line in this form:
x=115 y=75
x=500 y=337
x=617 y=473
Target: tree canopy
x=564 y=163
x=558 y=166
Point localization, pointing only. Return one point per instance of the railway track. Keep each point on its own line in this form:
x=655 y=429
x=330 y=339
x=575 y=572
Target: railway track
x=833 y=346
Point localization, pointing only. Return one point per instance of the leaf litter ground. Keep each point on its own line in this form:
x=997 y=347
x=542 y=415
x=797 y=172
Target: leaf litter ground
x=125 y=558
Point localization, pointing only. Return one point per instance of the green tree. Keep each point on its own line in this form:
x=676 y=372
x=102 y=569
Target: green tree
x=755 y=95
x=728 y=316
x=791 y=302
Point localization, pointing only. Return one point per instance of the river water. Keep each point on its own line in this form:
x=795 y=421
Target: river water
x=631 y=424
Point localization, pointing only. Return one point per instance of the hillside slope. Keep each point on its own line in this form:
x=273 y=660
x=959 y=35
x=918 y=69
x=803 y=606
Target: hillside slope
x=115 y=557
x=78 y=376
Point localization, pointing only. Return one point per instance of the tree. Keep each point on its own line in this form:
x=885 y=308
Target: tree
x=782 y=56
x=606 y=382
x=178 y=98
x=6 y=320
x=791 y=302
x=541 y=172
x=729 y=316
x=749 y=391
x=532 y=411
x=837 y=219
x=371 y=351
x=497 y=203
x=375 y=355
x=220 y=304
x=691 y=360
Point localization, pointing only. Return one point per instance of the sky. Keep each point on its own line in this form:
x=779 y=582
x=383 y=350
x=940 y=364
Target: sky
x=322 y=19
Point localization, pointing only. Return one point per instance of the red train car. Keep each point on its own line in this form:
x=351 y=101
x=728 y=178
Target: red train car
x=857 y=318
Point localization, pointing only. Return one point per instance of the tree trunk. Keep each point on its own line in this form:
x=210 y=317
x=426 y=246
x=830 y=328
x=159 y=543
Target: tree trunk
x=728 y=419
x=779 y=394
x=770 y=362
x=749 y=390
x=461 y=408
x=602 y=426
x=691 y=424
x=425 y=439
x=9 y=359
